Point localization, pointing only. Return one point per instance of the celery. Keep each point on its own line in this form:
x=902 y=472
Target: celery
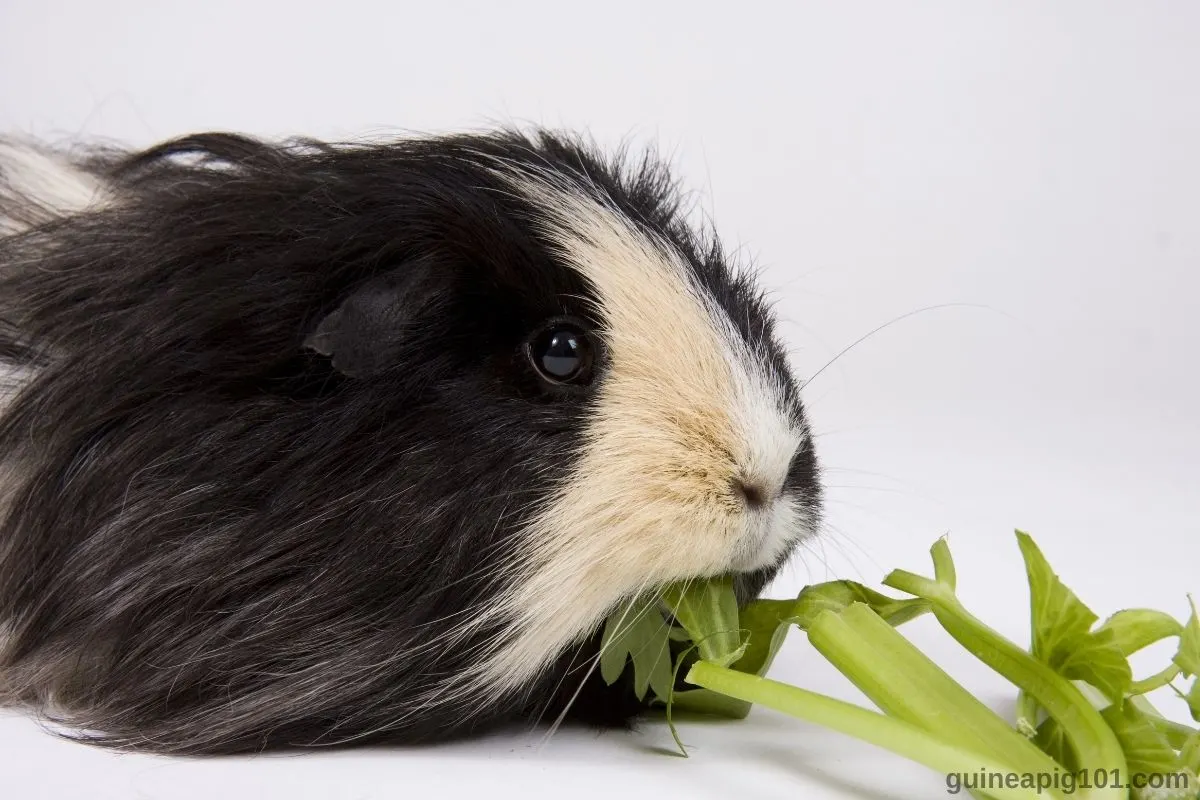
x=1079 y=706
x=896 y=735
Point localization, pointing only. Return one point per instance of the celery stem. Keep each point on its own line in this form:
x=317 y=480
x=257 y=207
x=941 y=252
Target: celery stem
x=1155 y=681
x=896 y=735
x=905 y=683
x=1094 y=742
x=1027 y=714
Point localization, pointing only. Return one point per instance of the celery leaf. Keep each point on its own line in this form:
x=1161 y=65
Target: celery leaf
x=837 y=596
x=1189 y=756
x=1054 y=742
x=1188 y=657
x=1062 y=630
x=1147 y=752
x=766 y=623
x=1059 y=617
x=1134 y=629
x=639 y=635
x=1097 y=659
x=708 y=611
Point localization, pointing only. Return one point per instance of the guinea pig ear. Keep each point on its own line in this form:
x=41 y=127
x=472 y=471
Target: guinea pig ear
x=364 y=335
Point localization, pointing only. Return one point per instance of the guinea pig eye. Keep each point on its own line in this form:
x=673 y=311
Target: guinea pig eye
x=561 y=352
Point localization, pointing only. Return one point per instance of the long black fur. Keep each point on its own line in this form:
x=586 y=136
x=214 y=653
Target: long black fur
x=218 y=541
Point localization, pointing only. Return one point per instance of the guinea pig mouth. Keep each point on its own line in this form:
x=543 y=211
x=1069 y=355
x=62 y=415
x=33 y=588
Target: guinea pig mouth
x=771 y=532
x=760 y=559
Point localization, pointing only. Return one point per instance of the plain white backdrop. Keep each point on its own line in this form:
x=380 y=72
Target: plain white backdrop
x=1023 y=175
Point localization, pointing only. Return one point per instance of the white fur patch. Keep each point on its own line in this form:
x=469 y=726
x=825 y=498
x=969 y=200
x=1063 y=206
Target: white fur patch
x=685 y=409
x=38 y=185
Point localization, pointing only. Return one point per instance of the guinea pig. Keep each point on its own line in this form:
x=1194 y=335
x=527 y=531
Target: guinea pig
x=308 y=443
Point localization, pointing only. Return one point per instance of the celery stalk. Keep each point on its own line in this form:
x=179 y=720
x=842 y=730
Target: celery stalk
x=1094 y=742
x=896 y=735
x=907 y=684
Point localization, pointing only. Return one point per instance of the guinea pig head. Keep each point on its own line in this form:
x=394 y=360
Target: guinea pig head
x=654 y=409
x=692 y=455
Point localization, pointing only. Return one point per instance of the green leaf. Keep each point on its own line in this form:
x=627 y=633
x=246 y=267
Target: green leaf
x=1053 y=741
x=1062 y=635
x=837 y=596
x=639 y=634
x=1097 y=659
x=1176 y=733
x=766 y=624
x=678 y=634
x=709 y=704
x=1188 y=657
x=1147 y=752
x=1135 y=629
x=1155 y=681
x=652 y=670
x=1189 y=756
x=708 y=611
x=613 y=652
x=1193 y=699
x=763 y=626
x=1058 y=617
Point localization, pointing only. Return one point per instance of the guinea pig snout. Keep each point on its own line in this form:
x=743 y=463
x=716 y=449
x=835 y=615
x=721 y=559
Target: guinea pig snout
x=770 y=512
x=763 y=457
x=753 y=494
x=758 y=487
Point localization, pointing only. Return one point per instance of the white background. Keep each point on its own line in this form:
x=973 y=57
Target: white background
x=1031 y=168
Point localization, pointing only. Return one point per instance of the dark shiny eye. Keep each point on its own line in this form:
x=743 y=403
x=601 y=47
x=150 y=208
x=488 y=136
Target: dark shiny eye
x=562 y=353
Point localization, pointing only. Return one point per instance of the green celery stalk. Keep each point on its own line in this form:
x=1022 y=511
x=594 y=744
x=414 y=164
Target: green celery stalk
x=1155 y=681
x=907 y=684
x=1094 y=742
x=896 y=735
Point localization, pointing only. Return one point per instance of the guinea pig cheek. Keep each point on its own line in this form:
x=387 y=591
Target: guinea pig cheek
x=647 y=504
x=655 y=497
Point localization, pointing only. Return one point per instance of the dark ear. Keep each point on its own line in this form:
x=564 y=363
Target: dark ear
x=368 y=331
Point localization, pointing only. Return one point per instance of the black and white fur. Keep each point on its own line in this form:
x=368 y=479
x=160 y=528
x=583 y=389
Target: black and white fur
x=276 y=467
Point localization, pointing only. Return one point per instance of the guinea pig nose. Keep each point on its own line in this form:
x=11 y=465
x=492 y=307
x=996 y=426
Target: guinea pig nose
x=754 y=495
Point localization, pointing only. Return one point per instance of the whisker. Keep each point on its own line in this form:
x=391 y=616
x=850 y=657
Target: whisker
x=885 y=326
x=837 y=532
x=837 y=545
